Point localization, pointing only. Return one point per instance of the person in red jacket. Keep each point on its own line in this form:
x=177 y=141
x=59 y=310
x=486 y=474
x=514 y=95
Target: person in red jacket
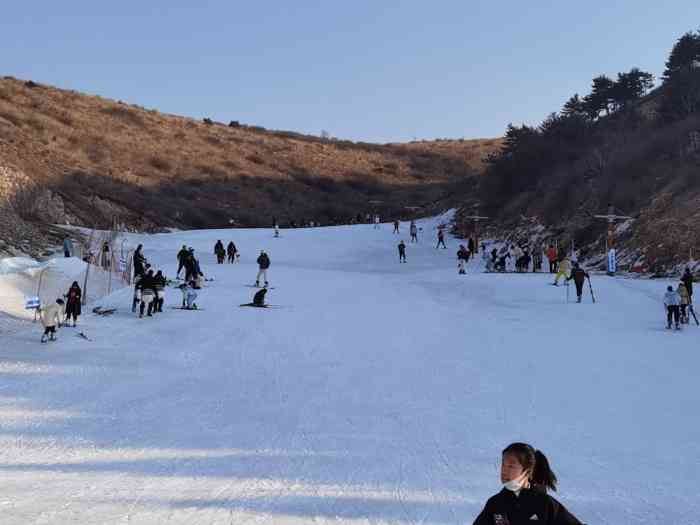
x=552 y=257
x=526 y=476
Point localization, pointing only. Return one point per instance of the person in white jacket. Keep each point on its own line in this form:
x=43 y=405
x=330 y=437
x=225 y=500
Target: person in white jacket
x=51 y=316
x=672 y=303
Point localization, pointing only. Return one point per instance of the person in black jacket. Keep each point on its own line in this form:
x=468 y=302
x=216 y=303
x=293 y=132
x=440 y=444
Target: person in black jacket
x=147 y=286
x=181 y=256
x=526 y=476
x=263 y=265
x=579 y=276
x=139 y=260
x=402 y=252
x=231 y=252
x=688 y=281
x=73 y=302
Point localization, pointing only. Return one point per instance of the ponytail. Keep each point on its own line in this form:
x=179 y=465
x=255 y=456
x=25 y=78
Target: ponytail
x=542 y=473
x=535 y=462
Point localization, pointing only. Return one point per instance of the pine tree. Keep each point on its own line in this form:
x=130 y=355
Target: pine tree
x=684 y=56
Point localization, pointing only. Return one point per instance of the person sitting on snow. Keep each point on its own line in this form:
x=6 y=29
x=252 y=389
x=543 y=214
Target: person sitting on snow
x=258 y=299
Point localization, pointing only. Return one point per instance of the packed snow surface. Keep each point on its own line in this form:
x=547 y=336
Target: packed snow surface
x=377 y=392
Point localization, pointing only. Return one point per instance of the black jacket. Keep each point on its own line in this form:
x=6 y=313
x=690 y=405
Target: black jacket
x=264 y=261
x=578 y=275
x=505 y=508
x=688 y=281
x=147 y=282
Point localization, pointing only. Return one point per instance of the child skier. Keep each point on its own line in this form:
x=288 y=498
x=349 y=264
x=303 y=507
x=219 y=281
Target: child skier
x=672 y=301
x=402 y=252
x=526 y=476
x=51 y=318
x=414 y=231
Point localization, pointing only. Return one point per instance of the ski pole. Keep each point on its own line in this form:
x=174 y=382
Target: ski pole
x=692 y=311
x=590 y=286
x=566 y=283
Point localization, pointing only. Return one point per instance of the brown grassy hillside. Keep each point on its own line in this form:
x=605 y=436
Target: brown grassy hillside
x=89 y=160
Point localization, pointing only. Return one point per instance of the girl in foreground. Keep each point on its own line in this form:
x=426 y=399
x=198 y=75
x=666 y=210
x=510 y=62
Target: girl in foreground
x=526 y=476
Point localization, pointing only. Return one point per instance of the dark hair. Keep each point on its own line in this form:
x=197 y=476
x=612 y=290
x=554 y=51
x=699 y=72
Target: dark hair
x=535 y=462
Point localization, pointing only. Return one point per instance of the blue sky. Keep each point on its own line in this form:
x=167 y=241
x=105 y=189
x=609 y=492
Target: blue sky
x=362 y=70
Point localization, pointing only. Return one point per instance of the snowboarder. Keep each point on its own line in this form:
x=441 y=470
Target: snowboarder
x=396 y=226
x=73 y=300
x=231 y=252
x=579 y=277
x=414 y=231
x=552 y=258
x=672 y=302
x=402 y=252
x=685 y=301
x=51 y=318
x=441 y=239
x=181 y=256
x=563 y=269
x=220 y=252
x=139 y=260
x=688 y=281
x=263 y=264
x=525 y=476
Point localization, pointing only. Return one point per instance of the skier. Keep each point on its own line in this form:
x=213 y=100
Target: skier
x=462 y=254
x=685 y=301
x=67 y=247
x=139 y=260
x=688 y=281
x=579 y=276
x=526 y=476
x=219 y=252
x=461 y=270
x=376 y=221
x=50 y=318
x=137 y=289
x=188 y=296
x=414 y=232
x=537 y=259
x=231 y=251
x=73 y=299
x=441 y=239
x=147 y=287
x=563 y=269
x=277 y=230
x=396 y=226
x=159 y=283
x=552 y=258
x=471 y=246
x=672 y=301
x=181 y=256
x=402 y=252
x=263 y=264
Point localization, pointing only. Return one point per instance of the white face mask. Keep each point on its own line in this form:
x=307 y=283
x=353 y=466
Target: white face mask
x=516 y=485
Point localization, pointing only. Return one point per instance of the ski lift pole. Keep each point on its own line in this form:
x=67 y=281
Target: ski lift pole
x=611 y=217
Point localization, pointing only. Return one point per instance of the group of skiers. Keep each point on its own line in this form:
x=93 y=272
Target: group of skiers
x=230 y=253
x=678 y=303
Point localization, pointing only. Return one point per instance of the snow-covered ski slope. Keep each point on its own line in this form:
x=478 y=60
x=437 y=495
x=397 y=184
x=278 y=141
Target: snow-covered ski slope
x=378 y=393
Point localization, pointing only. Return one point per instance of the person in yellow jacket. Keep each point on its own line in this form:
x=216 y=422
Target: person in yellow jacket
x=685 y=301
x=564 y=268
